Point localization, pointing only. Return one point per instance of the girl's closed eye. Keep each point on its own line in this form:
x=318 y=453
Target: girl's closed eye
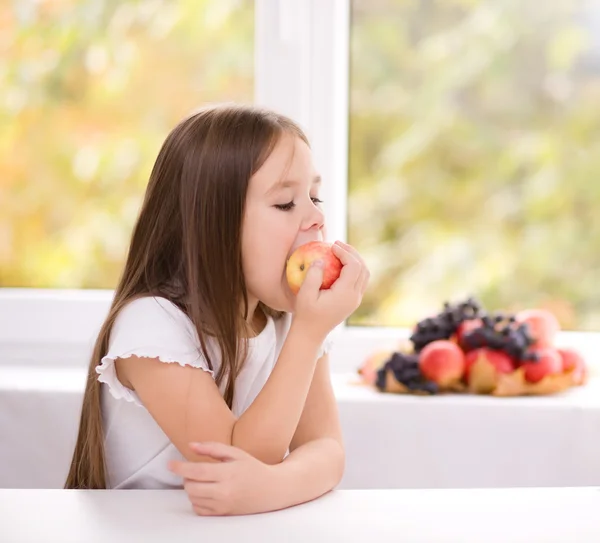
x=290 y=205
x=285 y=207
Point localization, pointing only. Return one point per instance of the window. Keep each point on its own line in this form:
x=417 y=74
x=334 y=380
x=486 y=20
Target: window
x=474 y=145
x=88 y=92
x=456 y=139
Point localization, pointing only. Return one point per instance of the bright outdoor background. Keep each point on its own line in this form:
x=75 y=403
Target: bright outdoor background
x=474 y=148
x=89 y=90
x=475 y=155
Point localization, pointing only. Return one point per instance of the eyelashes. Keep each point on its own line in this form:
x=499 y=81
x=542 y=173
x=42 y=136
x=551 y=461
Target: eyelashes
x=285 y=207
x=291 y=205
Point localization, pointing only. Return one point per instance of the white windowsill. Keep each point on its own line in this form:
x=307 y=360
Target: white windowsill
x=57 y=328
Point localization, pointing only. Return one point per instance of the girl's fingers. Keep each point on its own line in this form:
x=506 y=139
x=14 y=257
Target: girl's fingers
x=363 y=273
x=196 y=471
x=200 y=491
x=353 y=252
x=363 y=280
x=218 y=451
x=345 y=256
x=203 y=510
x=350 y=266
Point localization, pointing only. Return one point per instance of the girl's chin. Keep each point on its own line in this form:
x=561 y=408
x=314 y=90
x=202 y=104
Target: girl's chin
x=287 y=302
x=284 y=301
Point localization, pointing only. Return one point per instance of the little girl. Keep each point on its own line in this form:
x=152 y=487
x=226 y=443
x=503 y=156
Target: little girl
x=208 y=372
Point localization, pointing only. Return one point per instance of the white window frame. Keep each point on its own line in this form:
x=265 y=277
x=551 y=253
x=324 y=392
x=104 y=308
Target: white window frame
x=302 y=70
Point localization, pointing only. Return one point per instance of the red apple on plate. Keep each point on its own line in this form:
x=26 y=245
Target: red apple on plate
x=549 y=363
x=301 y=259
x=543 y=326
x=442 y=361
x=573 y=361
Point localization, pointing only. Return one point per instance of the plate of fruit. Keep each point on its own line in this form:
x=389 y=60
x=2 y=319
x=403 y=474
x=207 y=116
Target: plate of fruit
x=466 y=349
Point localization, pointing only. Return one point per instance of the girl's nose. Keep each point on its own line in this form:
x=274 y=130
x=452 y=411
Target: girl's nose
x=315 y=219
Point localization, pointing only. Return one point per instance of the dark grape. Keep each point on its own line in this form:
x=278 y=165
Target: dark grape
x=513 y=339
x=410 y=374
x=413 y=385
x=431 y=387
x=446 y=323
x=380 y=381
x=405 y=368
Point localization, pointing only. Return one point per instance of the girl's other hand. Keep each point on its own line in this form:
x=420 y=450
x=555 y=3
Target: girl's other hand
x=322 y=310
x=238 y=484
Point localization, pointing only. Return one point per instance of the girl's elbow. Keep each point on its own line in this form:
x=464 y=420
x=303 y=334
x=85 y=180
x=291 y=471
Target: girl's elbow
x=340 y=466
x=270 y=456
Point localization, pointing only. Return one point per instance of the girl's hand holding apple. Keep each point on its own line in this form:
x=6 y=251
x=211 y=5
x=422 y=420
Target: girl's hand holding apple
x=329 y=281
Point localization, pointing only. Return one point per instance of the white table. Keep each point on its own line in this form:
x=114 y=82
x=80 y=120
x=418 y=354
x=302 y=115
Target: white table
x=460 y=516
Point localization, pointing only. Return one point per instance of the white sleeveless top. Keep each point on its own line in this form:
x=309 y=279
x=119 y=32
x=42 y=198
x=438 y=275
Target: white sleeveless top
x=137 y=450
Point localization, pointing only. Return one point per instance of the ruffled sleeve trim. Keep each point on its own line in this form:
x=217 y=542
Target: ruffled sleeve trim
x=326 y=346
x=107 y=373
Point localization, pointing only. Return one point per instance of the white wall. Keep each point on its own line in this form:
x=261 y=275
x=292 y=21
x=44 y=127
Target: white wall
x=391 y=441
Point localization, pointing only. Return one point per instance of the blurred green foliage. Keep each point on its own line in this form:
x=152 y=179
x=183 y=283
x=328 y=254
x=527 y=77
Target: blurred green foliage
x=88 y=91
x=474 y=141
x=475 y=156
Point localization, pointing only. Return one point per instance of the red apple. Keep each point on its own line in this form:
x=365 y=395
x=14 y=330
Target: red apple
x=572 y=360
x=549 y=363
x=301 y=259
x=500 y=360
x=442 y=361
x=543 y=326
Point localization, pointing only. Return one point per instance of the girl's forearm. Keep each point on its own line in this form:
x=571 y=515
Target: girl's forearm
x=308 y=472
x=266 y=428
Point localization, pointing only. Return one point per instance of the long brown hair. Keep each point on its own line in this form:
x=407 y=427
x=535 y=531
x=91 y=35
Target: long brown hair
x=186 y=247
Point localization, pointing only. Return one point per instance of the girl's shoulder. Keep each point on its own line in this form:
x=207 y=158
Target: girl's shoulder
x=150 y=327
x=153 y=320
x=152 y=310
